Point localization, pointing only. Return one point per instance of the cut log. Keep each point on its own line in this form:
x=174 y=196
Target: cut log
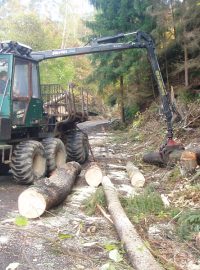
x=188 y=163
x=136 y=177
x=48 y=192
x=140 y=257
x=93 y=175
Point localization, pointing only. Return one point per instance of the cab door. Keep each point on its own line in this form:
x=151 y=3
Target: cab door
x=34 y=113
x=20 y=90
x=27 y=105
x=5 y=67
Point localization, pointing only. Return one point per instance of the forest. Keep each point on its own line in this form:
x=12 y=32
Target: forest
x=122 y=79
x=115 y=186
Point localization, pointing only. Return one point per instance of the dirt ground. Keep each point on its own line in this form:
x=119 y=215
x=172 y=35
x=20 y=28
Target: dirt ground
x=38 y=245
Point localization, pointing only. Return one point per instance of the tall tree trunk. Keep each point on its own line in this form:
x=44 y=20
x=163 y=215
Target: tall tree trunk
x=64 y=33
x=166 y=71
x=173 y=17
x=186 y=60
x=122 y=98
x=185 y=46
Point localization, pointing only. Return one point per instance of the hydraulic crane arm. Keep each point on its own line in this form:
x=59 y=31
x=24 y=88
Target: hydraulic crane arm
x=106 y=44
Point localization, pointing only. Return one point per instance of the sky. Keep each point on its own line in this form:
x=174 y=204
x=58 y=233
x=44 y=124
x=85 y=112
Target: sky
x=81 y=7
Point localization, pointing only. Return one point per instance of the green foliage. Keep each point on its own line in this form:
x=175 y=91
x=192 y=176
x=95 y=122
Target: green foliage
x=110 y=246
x=63 y=236
x=97 y=198
x=118 y=125
x=21 y=221
x=139 y=206
x=131 y=111
x=188 y=224
x=111 y=18
x=187 y=96
x=111 y=100
x=175 y=174
x=57 y=71
x=139 y=120
x=25 y=24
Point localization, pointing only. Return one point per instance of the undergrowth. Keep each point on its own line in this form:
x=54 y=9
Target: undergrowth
x=140 y=206
x=97 y=198
x=188 y=224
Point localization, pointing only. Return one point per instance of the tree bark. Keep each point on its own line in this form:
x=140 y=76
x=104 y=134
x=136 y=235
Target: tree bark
x=122 y=98
x=173 y=18
x=48 y=192
x=186 y=64
x=140 y=257
x=174 y=157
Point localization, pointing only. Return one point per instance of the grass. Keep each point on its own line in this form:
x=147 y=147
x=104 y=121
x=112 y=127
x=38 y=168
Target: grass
x=140 y=206
x=97 y=198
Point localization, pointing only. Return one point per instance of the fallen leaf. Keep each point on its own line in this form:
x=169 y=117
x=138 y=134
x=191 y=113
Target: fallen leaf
x=12 y=266
x=21 y=221
x=115 y=256
x=107 y=266
x=90 y=244
x=65 y=236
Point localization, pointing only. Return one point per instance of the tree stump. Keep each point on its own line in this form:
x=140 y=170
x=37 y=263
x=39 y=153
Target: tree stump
x=48 y=192
x=188 y=163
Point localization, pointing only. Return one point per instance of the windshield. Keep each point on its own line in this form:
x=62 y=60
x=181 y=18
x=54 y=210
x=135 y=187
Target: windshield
x=3 y=74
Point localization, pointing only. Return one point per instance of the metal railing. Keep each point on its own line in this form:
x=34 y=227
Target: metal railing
x=64 y=104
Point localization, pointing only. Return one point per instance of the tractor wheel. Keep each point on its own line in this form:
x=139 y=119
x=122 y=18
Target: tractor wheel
x=28 y=162
x=77 y=146
x=55 y=153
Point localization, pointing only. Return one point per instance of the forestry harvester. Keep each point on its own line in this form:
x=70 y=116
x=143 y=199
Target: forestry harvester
x=38 y=126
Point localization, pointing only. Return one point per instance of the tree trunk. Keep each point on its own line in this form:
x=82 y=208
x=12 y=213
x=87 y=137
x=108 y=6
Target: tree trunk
x=173 y=157
x=139 y=256
x=166 y=71
x=185 y=58
x=122 y=98
x=48 y=192
x=173 y=17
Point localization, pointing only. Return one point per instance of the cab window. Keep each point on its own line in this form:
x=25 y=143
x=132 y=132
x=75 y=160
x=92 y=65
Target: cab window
x=20 y=84
x=3 y=75
x=35 y=82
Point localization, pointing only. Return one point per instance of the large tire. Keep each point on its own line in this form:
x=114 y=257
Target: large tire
x=28 y=162
x=55 y=153
x=77 y=146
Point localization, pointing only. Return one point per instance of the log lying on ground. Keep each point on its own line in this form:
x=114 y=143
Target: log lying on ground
x=153 y=158
x=136 y=177
x=48 y=192
x=93 y=175
x=140 y=257
x=171 y=158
